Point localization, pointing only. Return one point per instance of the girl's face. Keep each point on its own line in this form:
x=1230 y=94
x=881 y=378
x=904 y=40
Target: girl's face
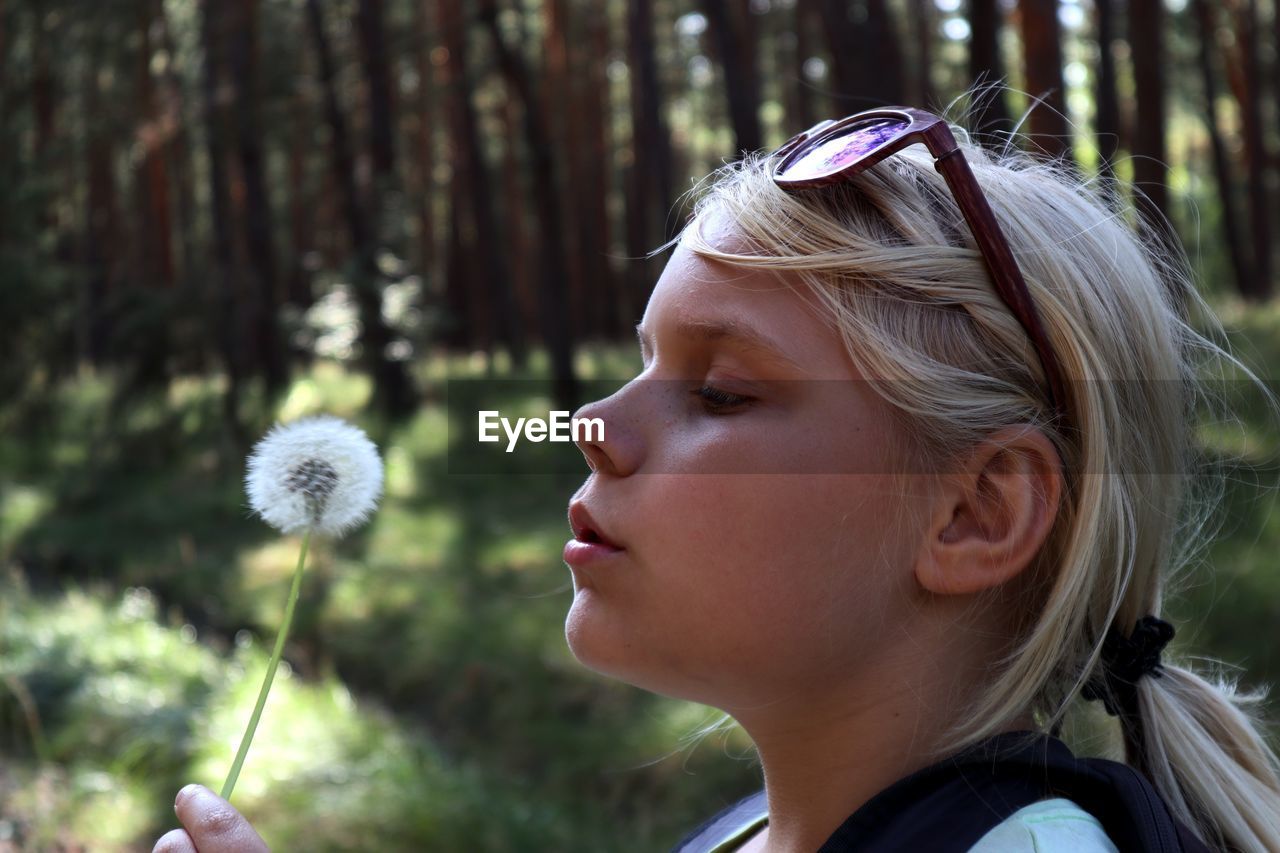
x=769 y=584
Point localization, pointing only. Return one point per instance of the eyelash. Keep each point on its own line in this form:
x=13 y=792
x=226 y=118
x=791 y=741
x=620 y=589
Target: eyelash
x=717 y=400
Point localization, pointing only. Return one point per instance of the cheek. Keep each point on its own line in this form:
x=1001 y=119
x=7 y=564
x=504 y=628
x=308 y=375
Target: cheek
x=783 y=556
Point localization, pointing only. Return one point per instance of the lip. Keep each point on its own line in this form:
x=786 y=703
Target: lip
x=586 y=529
x=589 y=543
x=579 y=554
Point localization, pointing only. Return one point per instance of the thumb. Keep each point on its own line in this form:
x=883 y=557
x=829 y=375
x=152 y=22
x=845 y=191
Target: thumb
x=214 y=824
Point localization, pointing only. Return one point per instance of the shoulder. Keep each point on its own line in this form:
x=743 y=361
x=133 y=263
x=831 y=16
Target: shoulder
x=1049 y=826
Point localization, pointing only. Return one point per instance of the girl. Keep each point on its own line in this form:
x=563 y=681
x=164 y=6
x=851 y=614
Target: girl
x=892 y=513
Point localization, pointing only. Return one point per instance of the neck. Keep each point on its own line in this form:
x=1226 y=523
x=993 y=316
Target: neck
x=823 y=759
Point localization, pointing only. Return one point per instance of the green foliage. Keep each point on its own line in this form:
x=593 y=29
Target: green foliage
x=433 y=703
x=428 y=700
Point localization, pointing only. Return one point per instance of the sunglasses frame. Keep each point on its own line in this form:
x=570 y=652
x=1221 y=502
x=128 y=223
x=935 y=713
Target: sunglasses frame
x=949 y=160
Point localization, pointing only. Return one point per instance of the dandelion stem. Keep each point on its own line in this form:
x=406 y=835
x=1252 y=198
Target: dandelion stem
x=271 y=670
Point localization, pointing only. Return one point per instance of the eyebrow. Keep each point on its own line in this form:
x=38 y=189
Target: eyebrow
x=730 y=332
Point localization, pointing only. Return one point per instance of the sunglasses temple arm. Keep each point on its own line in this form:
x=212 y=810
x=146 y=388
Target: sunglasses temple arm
x=1004 y=269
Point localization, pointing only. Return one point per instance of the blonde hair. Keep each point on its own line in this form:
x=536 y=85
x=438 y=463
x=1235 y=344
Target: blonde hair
x=892 y=257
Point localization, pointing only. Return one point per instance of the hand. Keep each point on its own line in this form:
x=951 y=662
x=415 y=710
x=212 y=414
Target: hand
x=212 y=826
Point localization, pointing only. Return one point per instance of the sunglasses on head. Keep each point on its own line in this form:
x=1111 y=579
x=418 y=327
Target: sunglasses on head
x=834 y=151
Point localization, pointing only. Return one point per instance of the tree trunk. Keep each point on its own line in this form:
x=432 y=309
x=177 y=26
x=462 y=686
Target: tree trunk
x=425 y=162
x=1258 y=163
x=564 y=129
x=155 y=253
x=1146 y=28
x=556 y=332
x=866 y=57
x=848 y=78
x=102 y=218
x=989 y=114
x=1204 y=18
x=302 y=218
x=232 y=338
x=44 y=99
x=597 y=115
x=179 y=152
x=1042 y=61
x=257 y=220
x=1107 y=122
x=393 y=393
x=522 y=250
x=458 y=332
x=377 y=71
x=923 y=24
x=6 y=155
x=495 y=297
x=801 y=114
x=885 y=52
x=737 y=58
x=649 y=194
x=1275 y=78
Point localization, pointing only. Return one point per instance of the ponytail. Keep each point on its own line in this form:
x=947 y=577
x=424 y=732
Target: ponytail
x=1201 y=749
x=1115 y=302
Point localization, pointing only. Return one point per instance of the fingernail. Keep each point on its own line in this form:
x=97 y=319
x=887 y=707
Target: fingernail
x=187 y=791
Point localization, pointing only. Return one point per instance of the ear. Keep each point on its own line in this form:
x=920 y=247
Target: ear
x=992 y=514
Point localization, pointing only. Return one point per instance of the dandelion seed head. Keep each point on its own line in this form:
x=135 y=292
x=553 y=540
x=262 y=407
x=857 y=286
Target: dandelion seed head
x=319 y=472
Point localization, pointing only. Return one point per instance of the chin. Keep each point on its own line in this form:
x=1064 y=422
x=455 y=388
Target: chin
x=596 y=643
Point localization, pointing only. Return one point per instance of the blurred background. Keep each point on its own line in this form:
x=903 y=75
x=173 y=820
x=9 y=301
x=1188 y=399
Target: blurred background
x=215 y=215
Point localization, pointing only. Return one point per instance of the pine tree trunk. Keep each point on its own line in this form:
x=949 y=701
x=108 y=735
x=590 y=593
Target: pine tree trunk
x=257 y=220
x=563 y=127
x=556 y=332
x=425 y=161
x=885 y=51
x=1042 y=59
x=495 y=298
x=1146 y=42
x=232 y=337
x=1258 y=164
x=179 y=153
x=650 y=177
x=155 y=253
x=1107 y=121
x=1204 y=18
x=735 y=52
x=988 y=114
x=597 y=115
x=393 y=393
x=521 y=249
x=302 y=218
x=102 y=218
x=923 y=24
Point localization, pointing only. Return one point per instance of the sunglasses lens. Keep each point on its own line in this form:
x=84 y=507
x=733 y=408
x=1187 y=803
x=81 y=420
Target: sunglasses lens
x=846 y=147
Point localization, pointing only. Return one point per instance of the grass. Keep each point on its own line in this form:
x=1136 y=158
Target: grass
x=429 y=700
x=431 y=688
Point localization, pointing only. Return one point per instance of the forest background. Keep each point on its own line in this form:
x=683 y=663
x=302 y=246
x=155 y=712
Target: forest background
x=216 y=215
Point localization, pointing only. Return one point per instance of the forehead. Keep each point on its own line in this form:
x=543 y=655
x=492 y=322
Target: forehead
x=694 y=290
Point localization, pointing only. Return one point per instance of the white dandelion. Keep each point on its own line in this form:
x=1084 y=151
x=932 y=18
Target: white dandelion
x=317 y=474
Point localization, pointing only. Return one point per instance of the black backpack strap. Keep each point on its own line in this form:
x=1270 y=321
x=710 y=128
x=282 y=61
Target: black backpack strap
x=1141 y=810
x=949 y=806
x=1131 y=811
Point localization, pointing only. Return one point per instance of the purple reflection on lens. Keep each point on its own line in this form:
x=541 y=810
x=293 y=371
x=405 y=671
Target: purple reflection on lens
x=846 y=147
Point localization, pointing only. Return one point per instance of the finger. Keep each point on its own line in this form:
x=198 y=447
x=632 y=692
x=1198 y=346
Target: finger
x=175 y=841
x=215 y=826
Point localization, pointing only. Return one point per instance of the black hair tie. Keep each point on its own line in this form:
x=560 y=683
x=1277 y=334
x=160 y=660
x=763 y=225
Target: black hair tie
x=1124 y=661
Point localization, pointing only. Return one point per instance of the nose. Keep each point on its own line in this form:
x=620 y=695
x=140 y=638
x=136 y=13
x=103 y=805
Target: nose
x=619 y=451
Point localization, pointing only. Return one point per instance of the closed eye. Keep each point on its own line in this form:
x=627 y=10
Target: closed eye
x=717 y=400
